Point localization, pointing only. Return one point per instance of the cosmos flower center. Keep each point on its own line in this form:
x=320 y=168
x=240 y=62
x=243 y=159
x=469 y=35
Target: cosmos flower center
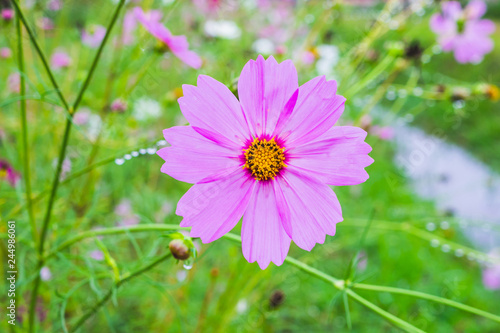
x=264 y=158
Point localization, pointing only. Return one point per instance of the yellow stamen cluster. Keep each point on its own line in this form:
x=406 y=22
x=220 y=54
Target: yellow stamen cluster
x=264 y=159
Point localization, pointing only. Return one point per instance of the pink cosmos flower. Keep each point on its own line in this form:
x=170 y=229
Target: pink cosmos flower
x=8 y=173
x=177 y=44
x=94 y=36
x=7 y=14
x=5 y=53
x=60 y=59
x=462 y=30
x=268 y=157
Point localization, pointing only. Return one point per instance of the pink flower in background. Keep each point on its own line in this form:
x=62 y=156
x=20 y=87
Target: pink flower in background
x=45 y=273
x=94 y=36
x=7 y=14
x=54 y=5
x=491 y=275
x=14 y=83
x=97 y=255
x=177 y=44
x=118 y=105
x=82 y=117
x=60 y=59
x=8 y=173
x=124 y=211
x=462 y=30
x=268 y=157
x=5 y=53
x=382 y=132
x=45 y=23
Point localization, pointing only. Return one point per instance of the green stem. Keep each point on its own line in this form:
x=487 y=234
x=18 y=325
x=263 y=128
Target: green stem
x=337 y=283
x=98 y=55
x=24 y=130
x=389 y=316
x=75 y=175
x=368 y=78
x=116 y=285
x=62 y=154
x=40 y=54
x=429 y=297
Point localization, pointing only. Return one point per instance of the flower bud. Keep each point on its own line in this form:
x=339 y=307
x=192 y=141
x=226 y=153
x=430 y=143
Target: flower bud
x=179 y=249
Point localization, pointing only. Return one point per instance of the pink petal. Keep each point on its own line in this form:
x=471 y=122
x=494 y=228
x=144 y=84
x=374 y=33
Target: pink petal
x=475 y=9
x=263 y=238
x=338 y=157
x=213 y=209
x=129 y=25
x=479 y=28
x=452 y=9
x=180 y=47
x=441 y=25
x=194 y=158
x=317 y=110
x=309 y=209
x=264 y=88
x=213 y=107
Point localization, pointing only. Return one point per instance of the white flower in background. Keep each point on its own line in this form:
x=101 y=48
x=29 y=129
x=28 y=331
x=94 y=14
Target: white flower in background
x=329 y=56
x=94 y=127
x=45 y=273
x=241 y=306
x=146 y=108
x=264 y=46
x=222 y=29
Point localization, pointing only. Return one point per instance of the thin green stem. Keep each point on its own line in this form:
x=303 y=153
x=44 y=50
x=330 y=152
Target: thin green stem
x=337 y=283
x=62 y=154
x=73 y=176
x=115 y=286
x=24 y=130
x=40 y=53
x=381 y=312
x=429 y=297
x=97 y=56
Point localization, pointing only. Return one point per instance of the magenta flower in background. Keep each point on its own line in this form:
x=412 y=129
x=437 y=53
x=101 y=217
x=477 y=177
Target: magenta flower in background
x=177 y=44
x=54 y=5
x=8 y=173
x=268 y=157
x=60 y=59
x=382 y=132
x=491 y=274
x=97 y=255
x=463 y=31
x=5 y=53
x=94 y=36
x=118 y=105
x=14 y=82
x=45 y=23
x=125 y=213
x=7 y=14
